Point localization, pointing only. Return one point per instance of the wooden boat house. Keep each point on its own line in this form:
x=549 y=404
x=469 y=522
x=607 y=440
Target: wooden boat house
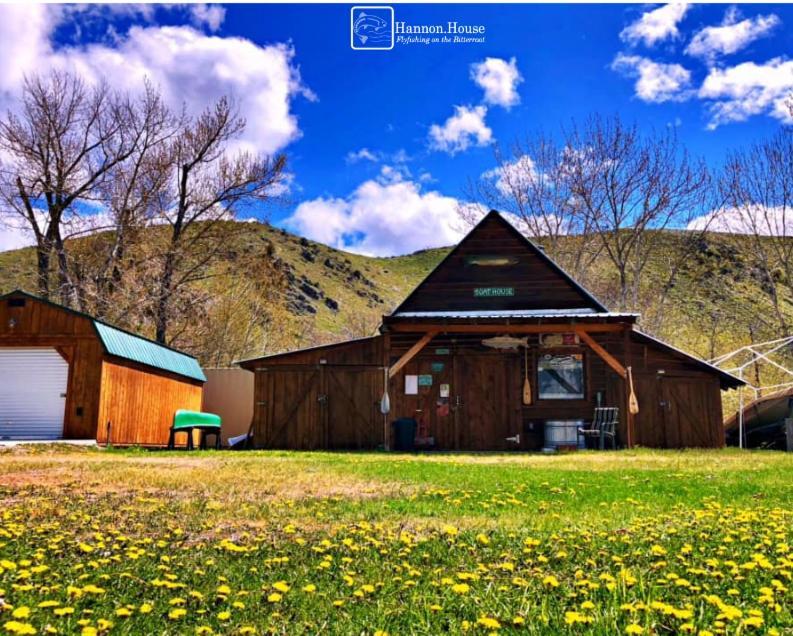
x=457 y=353
x=67 y=375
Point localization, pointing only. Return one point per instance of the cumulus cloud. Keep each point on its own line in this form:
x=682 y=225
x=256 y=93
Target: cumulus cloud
x=656 y=25
x=209 y=15
x=498 y=79
x=765 y=221
x=655 y=82
x=465 y=128
x=513 y=177
x=188 y=66
x=381 y=218
x=731 y=36
x=738 y=92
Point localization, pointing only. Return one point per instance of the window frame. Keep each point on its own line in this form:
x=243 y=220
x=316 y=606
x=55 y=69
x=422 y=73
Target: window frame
x=558 y=352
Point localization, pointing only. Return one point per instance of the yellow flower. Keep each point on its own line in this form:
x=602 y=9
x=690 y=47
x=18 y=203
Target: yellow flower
x=281 y=586
x=461 y=588
x=123 y=612
x=21 y=612
x=518 y=620
x=224 y=590
x=310 y=588
x=203 y=629
x=247 y=629
x=15 y=627
x=63 y=611
x=145 y=608
x=224 y=616
x=489 y=623
x=633 y=628
x=550 y=581
x=483 y=539
x=275 y=597
x=89 y=631
x=177 y=613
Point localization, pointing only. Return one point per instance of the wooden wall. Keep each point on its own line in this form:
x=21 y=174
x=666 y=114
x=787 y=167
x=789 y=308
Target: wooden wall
x=536 y=283
x=40 y=324
x=680 y=407
x=140 y=403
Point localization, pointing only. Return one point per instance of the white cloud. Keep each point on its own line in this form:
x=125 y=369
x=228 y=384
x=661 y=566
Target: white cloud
x=381 y=219
x=465 y=128
x=364 y=154
x=189 y=66
x=513 y=177
x=655 y=82
x=656 y=25
x=499 y=79
x=731 y=36
x=774 y=221
x=738 y=92
x=209 y=15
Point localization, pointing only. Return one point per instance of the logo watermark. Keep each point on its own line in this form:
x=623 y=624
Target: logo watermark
x=374 y=28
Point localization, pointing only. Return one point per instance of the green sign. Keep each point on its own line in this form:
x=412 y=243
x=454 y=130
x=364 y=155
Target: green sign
x=442 y=351
x=437 y=367
x=425 y=380
x=493 y=292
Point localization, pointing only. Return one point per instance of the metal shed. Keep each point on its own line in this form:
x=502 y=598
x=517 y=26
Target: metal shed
x=67 y=375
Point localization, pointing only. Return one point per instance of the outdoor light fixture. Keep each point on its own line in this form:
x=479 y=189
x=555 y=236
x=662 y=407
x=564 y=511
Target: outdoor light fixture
x=12 y=322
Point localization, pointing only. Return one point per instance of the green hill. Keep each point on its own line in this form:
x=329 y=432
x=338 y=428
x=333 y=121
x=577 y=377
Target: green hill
x=720 y=299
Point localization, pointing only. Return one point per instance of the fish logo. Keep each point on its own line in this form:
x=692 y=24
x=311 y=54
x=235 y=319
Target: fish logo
x=372 y=28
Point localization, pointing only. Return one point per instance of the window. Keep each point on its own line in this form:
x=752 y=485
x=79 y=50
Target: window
x=561 y=376
x=16 y=302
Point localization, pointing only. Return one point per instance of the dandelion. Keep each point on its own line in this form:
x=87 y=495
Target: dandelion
x=21 y=612
x=634 y=628
x=274 y=597
x=489 y=623
x=461 y=588
x=177 y=613
x=281 y=586
x=17 y=627
x=310 y=588
x=224 y=616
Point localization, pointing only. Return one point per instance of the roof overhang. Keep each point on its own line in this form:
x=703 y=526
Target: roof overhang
x=518 y=321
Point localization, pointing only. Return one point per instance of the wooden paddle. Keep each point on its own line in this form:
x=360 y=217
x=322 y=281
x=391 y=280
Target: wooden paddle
x=526 y=385
x=633 y=403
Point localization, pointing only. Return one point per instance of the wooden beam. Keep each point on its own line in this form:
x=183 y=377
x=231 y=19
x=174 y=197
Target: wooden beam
x=630 y=419
x=410 y=353
x=399 y=327
x=605 y=355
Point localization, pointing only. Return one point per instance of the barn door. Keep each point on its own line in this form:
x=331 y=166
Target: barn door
x=487 y=402
x=686 y=412
x=353 y=407
x=290 y=409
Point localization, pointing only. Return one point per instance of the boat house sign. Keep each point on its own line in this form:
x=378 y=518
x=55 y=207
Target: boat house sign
x=491 y=292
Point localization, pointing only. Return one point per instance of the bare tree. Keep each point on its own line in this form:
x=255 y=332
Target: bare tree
x=208 y=186
x=530 y=182
x=630 y=187
x=58 y=148
x=758 y=187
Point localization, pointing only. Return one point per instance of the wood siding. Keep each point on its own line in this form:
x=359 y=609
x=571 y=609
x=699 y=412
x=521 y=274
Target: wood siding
x=139 y=401
x=140 y=404
x=38 y=324
x=536 y=283
x=680 y=407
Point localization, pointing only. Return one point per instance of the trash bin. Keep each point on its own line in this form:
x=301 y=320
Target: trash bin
x=404 y=434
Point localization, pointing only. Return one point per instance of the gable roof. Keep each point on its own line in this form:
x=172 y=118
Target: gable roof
x=129 y=346
x=536 y=281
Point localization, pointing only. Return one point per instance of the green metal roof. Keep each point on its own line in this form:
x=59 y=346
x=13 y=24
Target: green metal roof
x=130 y=347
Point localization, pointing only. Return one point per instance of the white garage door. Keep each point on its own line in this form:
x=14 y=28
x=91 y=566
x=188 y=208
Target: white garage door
x=32 y=393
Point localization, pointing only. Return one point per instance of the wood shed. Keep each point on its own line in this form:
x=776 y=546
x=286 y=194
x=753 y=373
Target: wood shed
x=67 y=375
x=437 y=358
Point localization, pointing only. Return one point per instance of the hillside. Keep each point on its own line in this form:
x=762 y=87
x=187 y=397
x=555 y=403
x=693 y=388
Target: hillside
x=719 y=302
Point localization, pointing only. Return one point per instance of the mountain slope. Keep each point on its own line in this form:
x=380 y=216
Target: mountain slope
x=720 y=300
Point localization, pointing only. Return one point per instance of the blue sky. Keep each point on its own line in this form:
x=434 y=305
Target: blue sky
x=368 y=170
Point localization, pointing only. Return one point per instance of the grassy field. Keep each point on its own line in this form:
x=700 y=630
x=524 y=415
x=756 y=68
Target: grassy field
x=135 y=542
